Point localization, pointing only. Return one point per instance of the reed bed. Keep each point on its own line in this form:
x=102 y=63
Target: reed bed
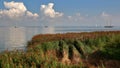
x=71 y=50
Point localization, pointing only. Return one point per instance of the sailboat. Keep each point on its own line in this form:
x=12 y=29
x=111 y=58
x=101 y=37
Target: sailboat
x=108 y=25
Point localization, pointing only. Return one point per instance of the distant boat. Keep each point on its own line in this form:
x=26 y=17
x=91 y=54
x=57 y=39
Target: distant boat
x=46 y=26
x=108 y=26
x=15 y=26
x=108 y=22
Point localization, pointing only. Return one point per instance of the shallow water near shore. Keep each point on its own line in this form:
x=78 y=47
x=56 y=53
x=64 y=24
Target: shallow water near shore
x=16 y=37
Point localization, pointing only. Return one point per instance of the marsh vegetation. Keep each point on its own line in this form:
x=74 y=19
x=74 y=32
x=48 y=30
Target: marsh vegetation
x=70 y=50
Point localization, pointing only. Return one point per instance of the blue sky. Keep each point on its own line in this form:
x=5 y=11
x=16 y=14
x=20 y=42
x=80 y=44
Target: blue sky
x=73 y=6
x=86 y=8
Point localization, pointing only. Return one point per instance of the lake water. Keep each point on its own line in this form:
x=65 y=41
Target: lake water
x=16 y=37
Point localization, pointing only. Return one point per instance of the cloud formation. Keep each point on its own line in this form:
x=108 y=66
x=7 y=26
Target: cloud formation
x=16 y=10
x=104 y=14
x=48 y=10
x=107 y=17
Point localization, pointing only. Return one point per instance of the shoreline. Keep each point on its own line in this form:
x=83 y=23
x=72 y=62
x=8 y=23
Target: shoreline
x=80 y=36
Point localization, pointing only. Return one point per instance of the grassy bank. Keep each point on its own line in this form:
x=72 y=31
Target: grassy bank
x=71 y=50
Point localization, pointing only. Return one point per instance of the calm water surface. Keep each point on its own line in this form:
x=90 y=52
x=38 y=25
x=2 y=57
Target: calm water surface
x=16 y=37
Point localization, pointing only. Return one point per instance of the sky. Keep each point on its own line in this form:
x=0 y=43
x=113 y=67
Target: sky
x=59 y=12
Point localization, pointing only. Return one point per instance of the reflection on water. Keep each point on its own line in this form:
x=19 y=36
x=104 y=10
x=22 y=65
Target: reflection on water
x=17 y=37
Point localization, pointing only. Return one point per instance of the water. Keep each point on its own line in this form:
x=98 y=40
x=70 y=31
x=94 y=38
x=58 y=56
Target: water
x=16 y=37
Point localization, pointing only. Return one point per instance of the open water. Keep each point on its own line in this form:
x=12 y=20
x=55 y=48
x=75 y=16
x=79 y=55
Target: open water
x=16 y=37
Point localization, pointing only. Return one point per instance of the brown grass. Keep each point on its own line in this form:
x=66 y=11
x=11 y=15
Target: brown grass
x=41 y=38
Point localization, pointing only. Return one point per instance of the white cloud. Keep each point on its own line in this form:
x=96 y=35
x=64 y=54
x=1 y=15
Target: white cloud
x=15 y=5
x=105 y=14
x=16 y=10
x=48 y=10
x=76 y=17
x=78 y=14
x=69 y=17
x=29 y=14
x=107 y=17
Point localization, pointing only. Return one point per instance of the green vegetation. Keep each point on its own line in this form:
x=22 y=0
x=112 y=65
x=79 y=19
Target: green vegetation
x=82 y=50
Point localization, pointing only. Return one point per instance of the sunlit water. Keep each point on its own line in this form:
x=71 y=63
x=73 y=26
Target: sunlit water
x=16 y=37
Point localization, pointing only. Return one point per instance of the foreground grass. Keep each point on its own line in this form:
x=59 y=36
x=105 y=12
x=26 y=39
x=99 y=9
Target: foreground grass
x=74 y=50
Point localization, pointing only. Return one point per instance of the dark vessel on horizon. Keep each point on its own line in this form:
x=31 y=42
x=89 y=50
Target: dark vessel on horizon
x=109 y=26
x=46 y=26
x=108 y=22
